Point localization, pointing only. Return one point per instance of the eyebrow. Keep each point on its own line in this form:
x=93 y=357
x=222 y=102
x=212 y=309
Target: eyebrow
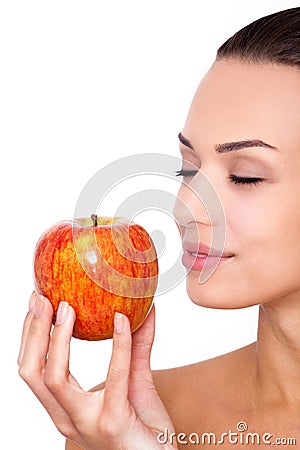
x=230 y=146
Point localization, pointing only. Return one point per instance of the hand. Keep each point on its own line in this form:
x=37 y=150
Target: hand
x=126 y=413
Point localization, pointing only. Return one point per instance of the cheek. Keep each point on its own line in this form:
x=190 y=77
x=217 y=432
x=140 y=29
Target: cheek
x=265 y=228
x=248 y=221
x=264 y=233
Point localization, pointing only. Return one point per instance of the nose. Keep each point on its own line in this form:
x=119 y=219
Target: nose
x=197 y=201
x=198 y=204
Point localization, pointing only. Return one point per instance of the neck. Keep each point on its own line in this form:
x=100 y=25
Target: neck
x=278 y=352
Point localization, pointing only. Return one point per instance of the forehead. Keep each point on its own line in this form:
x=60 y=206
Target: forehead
x=237 y=100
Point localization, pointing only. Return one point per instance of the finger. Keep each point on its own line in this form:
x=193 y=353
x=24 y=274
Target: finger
x=59 y=345
x=142 y=341
x=116 y=386
x=37 y=338
x=142 y=391
x=57 y=375
x=26 y=326
x=33 y=364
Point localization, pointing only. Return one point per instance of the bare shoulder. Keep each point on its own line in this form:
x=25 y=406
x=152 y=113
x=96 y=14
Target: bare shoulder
x=196 y=393
x=211 y=372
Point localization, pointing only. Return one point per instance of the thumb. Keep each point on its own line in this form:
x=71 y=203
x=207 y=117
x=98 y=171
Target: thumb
x=142 y=341
x=142 y=392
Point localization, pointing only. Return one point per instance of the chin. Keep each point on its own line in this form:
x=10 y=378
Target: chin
x=219 y=294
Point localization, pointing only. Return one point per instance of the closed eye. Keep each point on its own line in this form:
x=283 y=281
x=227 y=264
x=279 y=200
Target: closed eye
x=245 y=180
x=254 y=181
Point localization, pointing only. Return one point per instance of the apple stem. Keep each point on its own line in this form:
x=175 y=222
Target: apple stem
x=94 y=218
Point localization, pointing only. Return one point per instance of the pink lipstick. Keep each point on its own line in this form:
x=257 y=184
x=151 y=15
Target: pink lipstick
x=196 y=256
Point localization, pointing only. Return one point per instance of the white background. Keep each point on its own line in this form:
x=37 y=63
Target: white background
x=82 y=85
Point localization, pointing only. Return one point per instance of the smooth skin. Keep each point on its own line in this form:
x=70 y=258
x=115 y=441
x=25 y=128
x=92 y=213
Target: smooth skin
x=258 y=384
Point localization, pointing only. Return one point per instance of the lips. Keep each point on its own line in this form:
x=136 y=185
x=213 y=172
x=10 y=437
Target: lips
x=202 y=249
x=197 y=256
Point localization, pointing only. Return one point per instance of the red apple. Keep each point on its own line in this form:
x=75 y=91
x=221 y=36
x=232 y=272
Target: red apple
x=99 y=265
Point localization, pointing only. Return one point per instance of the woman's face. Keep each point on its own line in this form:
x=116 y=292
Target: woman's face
x=234 y=103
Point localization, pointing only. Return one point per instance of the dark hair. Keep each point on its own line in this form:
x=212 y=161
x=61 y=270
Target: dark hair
x=271 y=39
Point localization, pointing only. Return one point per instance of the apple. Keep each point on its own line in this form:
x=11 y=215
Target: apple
x=99 y=265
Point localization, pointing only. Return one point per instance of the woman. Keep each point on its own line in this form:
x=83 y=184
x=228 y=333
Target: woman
x=242 y=132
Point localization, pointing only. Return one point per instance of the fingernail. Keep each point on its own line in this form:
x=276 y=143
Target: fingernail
x=118 y=322
x=32 y=301
x=62 y=312
x=39 y=305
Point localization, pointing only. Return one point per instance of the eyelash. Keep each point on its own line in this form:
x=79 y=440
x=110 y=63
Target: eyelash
x=254 y=181
x=185 y=173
